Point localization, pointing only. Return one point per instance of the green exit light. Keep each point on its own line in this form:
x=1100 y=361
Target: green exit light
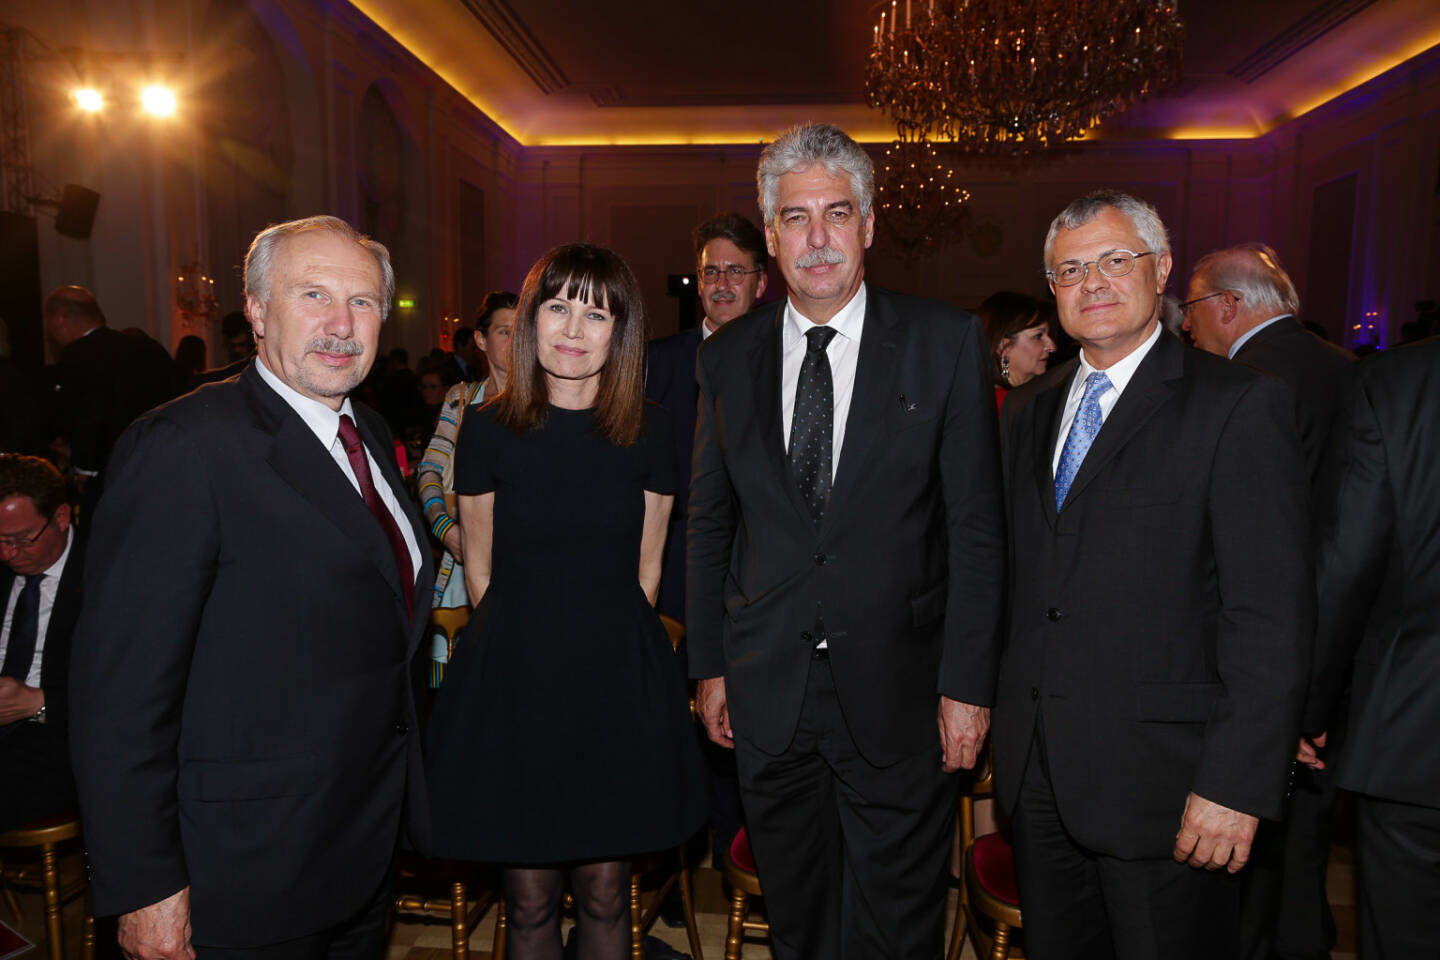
x=405 y=303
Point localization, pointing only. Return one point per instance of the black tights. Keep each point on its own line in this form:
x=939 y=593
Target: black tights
x=602 y=910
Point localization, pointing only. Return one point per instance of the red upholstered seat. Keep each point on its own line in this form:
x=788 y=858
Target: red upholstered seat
x=995 y=867
x=54 y=820
x=740 y=851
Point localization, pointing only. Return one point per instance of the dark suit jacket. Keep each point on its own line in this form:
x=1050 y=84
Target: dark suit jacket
x=107 y=379
x=1160 y=622
x=906 y=568
x=48 y=743
x=1314 y=370
x=670 y=381
x=1379 y=578
x=242 y=719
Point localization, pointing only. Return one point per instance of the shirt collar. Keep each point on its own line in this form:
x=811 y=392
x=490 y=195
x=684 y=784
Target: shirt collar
x=322 y=421
x=849 y=322
x=1244 y=338
x=1119 y=372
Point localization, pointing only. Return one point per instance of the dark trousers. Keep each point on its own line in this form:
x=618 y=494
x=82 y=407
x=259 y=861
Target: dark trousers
x=1285 y=912
x=1398 y=845
x=361 y=937
x=852 y=856
x=1082 y=905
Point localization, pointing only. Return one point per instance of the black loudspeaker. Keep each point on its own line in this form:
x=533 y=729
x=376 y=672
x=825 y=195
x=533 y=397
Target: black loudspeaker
x=20 y=288
x=77 y=211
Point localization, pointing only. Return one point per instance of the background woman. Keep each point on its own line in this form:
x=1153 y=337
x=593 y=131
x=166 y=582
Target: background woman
x=561 y=740
x=435 y=474
x=1021 y=341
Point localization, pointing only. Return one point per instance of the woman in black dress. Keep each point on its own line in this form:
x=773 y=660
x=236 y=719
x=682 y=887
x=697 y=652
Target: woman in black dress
x=561 y=741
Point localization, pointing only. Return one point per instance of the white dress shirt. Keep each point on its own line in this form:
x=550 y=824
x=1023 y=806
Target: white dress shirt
x=48 y=588
x=1241 y=340
x=1119 y=374
x=326 y=425
x=843 y=354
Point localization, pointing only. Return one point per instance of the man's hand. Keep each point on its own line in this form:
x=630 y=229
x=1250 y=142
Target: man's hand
x=17 y=701
x=455 y=543
x=1309 y=751
x=160 y=931
x=962 y=730
x=710 y=705
x=1212 y=836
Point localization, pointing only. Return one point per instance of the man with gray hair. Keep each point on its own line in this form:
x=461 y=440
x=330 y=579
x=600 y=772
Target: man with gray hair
x=244 y=733
x=1161 y=605
x=844 y=566
x=1242 y=305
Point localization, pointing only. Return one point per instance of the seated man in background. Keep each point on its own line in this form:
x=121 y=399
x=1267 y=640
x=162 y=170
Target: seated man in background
x=40 y=571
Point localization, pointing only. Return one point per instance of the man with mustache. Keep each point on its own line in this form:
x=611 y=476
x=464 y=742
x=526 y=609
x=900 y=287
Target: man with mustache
x=845 y=566
x=243 y=729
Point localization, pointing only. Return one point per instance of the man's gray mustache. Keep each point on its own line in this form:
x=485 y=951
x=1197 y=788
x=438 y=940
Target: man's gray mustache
x=722 y=296
x=819 y=257
x=343 y=348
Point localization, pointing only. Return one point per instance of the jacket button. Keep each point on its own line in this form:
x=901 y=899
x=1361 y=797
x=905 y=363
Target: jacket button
x=401 y=727
x=820 y=559
x=1034 y=693
x=805 y=636
x=1053 y=614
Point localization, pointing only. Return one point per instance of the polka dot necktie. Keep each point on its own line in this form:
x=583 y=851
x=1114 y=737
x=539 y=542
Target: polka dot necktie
x=813 y=425
x=1088 y=419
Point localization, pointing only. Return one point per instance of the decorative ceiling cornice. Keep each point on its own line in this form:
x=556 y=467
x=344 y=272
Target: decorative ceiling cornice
x=1296 y=37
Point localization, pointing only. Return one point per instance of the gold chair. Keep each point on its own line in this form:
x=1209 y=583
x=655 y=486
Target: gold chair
x=987 y=888
x=447 y=621
x=739 y=870
x=47 y=836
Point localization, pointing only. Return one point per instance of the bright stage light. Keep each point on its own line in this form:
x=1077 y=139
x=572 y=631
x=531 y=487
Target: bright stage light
x=158 y=100
x=89 y=99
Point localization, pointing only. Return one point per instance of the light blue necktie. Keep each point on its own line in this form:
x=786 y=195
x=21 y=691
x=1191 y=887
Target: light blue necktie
x=1088 y=419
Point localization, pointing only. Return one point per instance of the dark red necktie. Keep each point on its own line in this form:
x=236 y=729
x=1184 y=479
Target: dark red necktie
x=355 y=450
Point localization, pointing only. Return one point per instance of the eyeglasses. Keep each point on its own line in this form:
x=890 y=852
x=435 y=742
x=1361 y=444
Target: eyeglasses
x=20 y=543
x=1186 y=307
x=1113 y=264
x=734 y=272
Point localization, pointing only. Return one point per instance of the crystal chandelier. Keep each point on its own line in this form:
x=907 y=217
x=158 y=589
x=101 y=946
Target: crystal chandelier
x=923 y=203
x=1012 y=76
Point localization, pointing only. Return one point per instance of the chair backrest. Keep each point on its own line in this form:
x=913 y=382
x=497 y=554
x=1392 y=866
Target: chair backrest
x=449 y=621
x=982 y=788
x=675 y=629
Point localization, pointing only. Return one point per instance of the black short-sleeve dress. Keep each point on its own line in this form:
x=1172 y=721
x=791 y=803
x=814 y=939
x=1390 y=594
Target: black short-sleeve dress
x=562 y=730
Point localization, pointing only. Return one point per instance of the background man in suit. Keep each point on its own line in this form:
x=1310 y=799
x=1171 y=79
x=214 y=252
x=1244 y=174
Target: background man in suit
x=730 y=266
x=106 y=379
x=1161 y=601
x=845 y=564
x=40 y=567
x=1379 y=622
x=244 y=726
x=1242 y=305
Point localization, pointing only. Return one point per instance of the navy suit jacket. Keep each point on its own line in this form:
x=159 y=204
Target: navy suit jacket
x=242 y=718
x=670 y=381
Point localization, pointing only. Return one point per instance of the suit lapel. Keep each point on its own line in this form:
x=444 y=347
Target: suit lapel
x=876 y=367
x=1152 y=384
x=765 y=361
x=1047 y=409
x=300 y=460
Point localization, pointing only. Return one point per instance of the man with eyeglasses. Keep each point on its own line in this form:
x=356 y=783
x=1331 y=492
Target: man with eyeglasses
x=730 y=262
x=1161 y=605
x=1242 y=305
x=40 y=574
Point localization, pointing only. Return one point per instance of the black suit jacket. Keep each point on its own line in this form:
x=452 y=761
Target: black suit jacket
x=1379 y=578
x=243 y=721
x=106 y=380
x=1314 y=370
x=49 y=741
x=670 y=381
x=1159 y=622
x=906 y=569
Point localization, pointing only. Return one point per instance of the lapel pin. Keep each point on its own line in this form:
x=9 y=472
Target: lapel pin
x=906 y=405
